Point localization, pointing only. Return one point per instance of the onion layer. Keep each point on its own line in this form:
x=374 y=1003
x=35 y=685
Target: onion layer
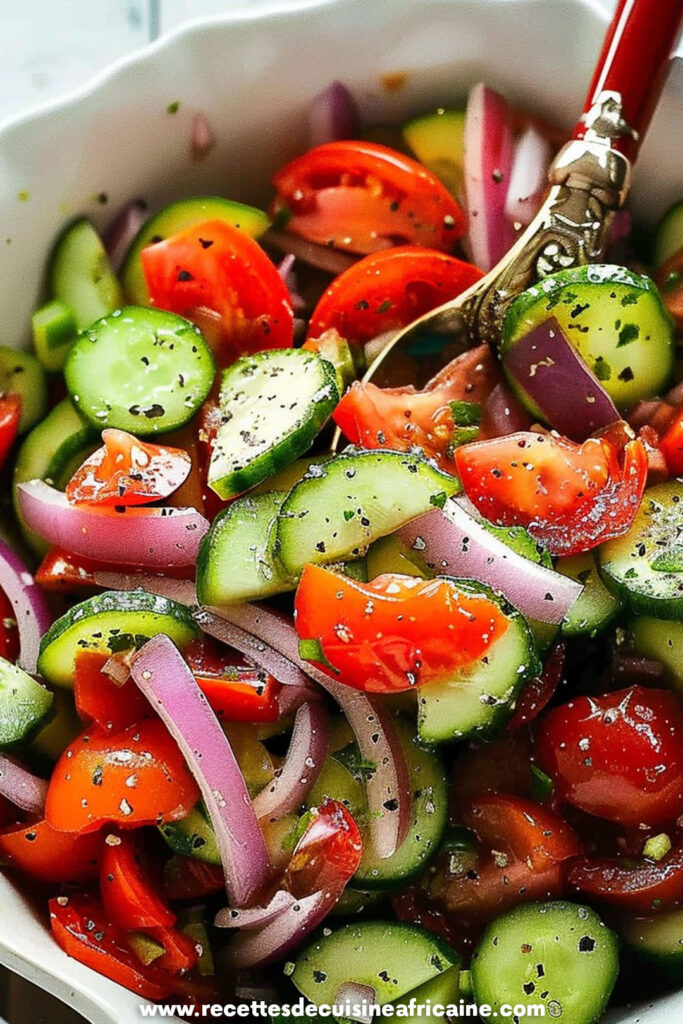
x=30 y=607
x=308 y=749
x=20 y=787
x=528 y=177
x=333 y=115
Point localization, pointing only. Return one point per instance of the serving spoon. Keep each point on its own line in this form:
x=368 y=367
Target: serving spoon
x=589 y=180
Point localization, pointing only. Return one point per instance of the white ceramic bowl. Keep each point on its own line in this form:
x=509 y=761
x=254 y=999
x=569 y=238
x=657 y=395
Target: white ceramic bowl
x=253 y=73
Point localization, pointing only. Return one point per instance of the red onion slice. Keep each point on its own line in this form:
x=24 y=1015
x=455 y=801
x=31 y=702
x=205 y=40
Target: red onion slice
x=203 y=137
x=283 y=933
x=162 y=675
x=20 y=787
x=30 y=607
x=528 y=177
x=333 y=115
x=550 y=370
x=455 y=544
x=308 y=749
x=505 y=413
x=122 y=231
x=332 y=261
x=255 y=917
x=487 y=168
x=182 y=591
x=138 y=536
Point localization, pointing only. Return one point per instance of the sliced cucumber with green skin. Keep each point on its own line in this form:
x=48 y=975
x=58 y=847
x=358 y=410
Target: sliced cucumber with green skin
x=477 y=700
x=655 y=944
x=237 y=557
x=289 y=475
x=54 y=329
x=391 y=958
x=81 y=275
x=25 y=705
x=645 y=566
x=21 y=374
x=109 y=622
x=391 y=554
x=613 y=317
x=192 y=836
x=176 y=217
x=669 y=237
x=60 y=730
x=142 y=370
x=596 y=606
x=273 y=405
x=560 y=955
x=341 y=507
x=661 y=640
x=444 y=990
x=337 y=351
x=437 y=140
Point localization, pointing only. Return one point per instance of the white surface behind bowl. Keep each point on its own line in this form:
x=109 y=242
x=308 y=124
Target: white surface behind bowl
x=253 y=73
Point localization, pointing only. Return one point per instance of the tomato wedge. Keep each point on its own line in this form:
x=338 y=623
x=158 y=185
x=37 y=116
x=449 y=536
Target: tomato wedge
x=328 y=853
x=100 y=700
x=372 y=636
x=181 y=951
x=65 y=573
x=671 y=445
x=136 y=777
x=571 y=497
x=186 y=878
x=362 y=197
x=404 y=418
x=640 y=888
x=10 y=413
x=236 y=691
x=128 y=895
x=222 y=280
x=389 y=289
x=41 y=852
x=530 y=833
x=126 y=471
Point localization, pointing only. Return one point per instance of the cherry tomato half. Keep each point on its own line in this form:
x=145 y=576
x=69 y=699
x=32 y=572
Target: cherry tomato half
x=41 y=852
x=128 y=895
x=640 y=888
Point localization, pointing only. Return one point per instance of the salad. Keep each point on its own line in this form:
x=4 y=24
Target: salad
x=387 y=716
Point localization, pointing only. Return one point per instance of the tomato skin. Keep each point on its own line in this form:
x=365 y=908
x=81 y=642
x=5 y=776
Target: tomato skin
x=65 y=573
x=530 y=833
x=404 y=418
x=186 y=878
x=135 y=777
x=570 y=496
x=389 y=289
x=640 y=889
x=181 y=951
x=41 y=852
x=128 y=896
x=236 y=691
x=222 y=280
x=80 y=926
x=619 y=756
x=372 y=635
x=99 y=699
x=671 y=445
x=9 y=631
x=328 y=854
x=363 y=197
x=10 y=412
x=540 y=690
x=126 y=471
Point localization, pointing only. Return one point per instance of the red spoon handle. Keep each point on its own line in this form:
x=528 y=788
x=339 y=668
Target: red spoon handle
x=634 y=62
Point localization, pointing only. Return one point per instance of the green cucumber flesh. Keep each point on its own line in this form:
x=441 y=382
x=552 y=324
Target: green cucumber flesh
x=391 y=554
x=81 y=276
x=289 y=475
x=444 y=990
x=21 y=374
x=142 y=370
x=661 y=640
x=174 y=218
x=393 y=959
x=613 y=317
x=645 y=565
x=64 y=726
x=477 y=700
x=559 y=955
x=669 y=236
x=437 y=140
x=237 y=557
x=341 y=507
x=25 y=705
x=54 y=329
x=192 y=836
x=273 y=405
x=109 y=622
x=656 y=944
x=595 y=606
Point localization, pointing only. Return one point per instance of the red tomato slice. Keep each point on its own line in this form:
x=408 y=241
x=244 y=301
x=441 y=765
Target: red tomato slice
x=99 y=699
x=388 y=290
x=128 y=895
x=571 y=497
x=126 y=471
x=619 y=756
x=671 y=445
x=372 y=636
x=222 y=280
x=540 y=690
x=136 y=777
x=328 y=853
x=9 y=631
x=530 y=833
x=237 y=691
x=362 y=197
x=41 y=852
x=10 y=412
x=80 y=926
x=186 y=878
x=640 y=888
x=181 y=951
x=66 y=573
x=404 y=418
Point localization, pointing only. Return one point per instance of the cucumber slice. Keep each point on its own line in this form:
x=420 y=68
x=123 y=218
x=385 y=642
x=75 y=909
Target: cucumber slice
x=176 y=217
x=656 y=945
x=645 y=566
x=662 y=640
x=614 y=318
x=393 y=959
x=54 y=329
x=63 y=727
x=669 y=237
x=444 y=990
x=595 y=607
x=21 y=374
x=341 y=507
x=25 y=705
x=81 y=275
x=437 y=140
x=237 y=557
x=142 y=370
x=336 y=350
x=48 y=453
x=273 y=404
x=192 y=836
x=391 y=554
x=557 y=954
x=289 y=475
x=478 y=699
x=113 y=621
